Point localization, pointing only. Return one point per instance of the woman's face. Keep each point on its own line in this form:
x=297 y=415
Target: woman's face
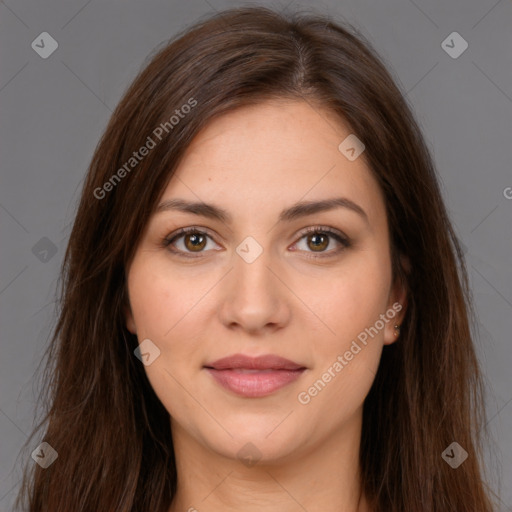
x=253 y=282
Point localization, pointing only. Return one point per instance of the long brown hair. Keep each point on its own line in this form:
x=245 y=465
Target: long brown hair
x=110 y=430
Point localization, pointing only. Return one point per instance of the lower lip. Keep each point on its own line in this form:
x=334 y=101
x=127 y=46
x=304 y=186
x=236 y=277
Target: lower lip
x=254 y=384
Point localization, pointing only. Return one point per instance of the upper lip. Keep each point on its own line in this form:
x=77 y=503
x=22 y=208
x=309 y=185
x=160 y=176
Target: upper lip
x=266 y=362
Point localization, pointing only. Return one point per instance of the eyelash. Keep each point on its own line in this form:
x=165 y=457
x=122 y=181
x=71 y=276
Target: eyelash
x=321 y=230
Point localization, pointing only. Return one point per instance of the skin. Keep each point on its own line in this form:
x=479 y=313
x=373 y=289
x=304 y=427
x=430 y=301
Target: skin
x=254 y=162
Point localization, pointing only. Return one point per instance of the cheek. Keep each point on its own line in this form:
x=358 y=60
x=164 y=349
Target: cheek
x=163 y=306
x=166 y=306
x=346 y=362
x=347 y=355
x=161 y=299
x=351 y=299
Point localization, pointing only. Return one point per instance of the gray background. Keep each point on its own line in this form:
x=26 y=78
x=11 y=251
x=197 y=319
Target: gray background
x=54 y=110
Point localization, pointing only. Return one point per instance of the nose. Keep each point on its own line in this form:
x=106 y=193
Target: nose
x=254 y=298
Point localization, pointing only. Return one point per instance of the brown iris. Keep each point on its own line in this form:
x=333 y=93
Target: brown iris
x=195 y=241
x=317 y=244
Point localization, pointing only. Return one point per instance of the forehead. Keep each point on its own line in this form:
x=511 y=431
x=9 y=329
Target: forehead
x=262 y=157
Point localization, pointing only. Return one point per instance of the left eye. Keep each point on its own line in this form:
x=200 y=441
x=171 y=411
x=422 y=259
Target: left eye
x=317 y=239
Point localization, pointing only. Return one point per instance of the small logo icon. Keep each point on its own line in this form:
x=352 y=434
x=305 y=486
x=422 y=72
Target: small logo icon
x=44 y=45
x=248 y=455
x=147 y=352
x=44 y=250
x=351 y=147
x=44 y=455
x=249 y=250
x=454 y=45
x=454 y=455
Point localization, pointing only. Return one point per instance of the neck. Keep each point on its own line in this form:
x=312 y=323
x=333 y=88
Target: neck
x=322 y=478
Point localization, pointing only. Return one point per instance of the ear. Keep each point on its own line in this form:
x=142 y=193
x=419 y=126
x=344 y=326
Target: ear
x=397 y=303
x=130 y=322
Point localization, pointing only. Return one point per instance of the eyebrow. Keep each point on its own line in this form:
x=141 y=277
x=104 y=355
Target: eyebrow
x=296 y=211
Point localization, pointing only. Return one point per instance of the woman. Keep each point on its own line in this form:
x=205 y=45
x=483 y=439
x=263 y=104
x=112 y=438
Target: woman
x=264 y=303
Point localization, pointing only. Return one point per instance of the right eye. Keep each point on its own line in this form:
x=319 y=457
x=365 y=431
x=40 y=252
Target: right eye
x=192 y=240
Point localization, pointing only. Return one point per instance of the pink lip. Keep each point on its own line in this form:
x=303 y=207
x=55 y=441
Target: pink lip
x=254 y=377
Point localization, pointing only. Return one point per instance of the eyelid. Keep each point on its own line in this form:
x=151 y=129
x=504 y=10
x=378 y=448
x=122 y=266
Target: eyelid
x=338 y=235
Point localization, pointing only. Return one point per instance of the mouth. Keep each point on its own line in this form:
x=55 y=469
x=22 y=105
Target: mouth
x=254 y=377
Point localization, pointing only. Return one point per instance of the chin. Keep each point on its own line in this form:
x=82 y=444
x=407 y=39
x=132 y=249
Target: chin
x=258 y=440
